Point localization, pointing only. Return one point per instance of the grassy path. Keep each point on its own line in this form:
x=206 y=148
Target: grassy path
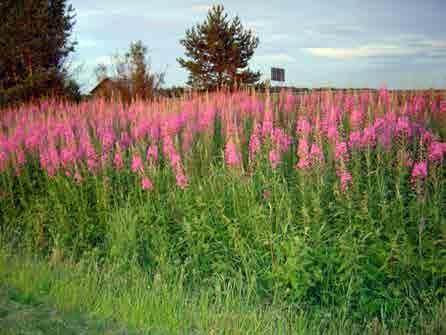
x=37 y=297
x=21 y=314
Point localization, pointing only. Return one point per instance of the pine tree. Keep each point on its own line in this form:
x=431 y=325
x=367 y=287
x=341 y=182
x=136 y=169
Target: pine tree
x=218 y=52
x=35 y=42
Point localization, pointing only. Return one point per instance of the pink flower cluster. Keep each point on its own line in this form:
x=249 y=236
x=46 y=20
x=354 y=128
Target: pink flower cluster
x=322 y=129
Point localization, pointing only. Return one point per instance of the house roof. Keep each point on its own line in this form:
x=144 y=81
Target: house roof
x=107 y=80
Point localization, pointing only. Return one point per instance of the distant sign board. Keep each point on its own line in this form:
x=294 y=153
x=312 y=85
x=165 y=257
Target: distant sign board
x=277 y=74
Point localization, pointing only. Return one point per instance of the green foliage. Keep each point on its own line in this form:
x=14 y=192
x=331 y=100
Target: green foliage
x=131 y=74
x=35 y=42
x=218 y=52
x=163 y=304
x=21 y=313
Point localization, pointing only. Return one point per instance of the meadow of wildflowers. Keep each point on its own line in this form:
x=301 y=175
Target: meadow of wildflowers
x=325 y=199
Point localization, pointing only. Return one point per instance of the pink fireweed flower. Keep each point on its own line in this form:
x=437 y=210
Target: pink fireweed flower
x=254 y=145
x=107 y=138
x=206 y=117
x=302 y=153
x=187 y=140
x=302 y=147
x=33 y=141
x=356 y=118
x=174 y=159
x=379 y=123
x=290 y=100
x=92 y=164
x=403 y=126
x=419 y=171
x=384 y=95
x=368 y=136
x=232 y=157
x=436 y=151
x=349 y=102
x=137 y=165
x=390 y=117
x=341 y=151
x=303 y=163
x=118 y=161
x=443 y=107
x=274 y=158
x=316 y=154
x=280 y=139
x=332 y=133
x=385 y=137
x=49 y=159
x=303 y=127
x=180 y=178
x=146 y=184
x=268 y=120
x=267 y=127
x=170 y=152
x=68 y=156
x=427 y=137
x=125 y=140
x=345 y=178
x=152 y=154
x=354 y=140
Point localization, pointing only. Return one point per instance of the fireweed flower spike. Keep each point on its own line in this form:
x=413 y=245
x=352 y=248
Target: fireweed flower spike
x=146 y=184
x=316 y=154
x=152 y=154
x=419 y=171
x=137 y=165
x=345 y=178
x=118 y=161
x=232 y=157
x=62 y=141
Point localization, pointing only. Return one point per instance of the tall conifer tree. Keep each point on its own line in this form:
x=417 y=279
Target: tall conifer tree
x=218 y=51
x=34 y=43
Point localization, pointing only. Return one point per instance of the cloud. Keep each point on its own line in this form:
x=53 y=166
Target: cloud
x=272 y=38
x=334 y=29
x=200 y=8
x=363 y=51
x=87 y=43
x=275 y=58
x=256 y=24
x=416 y=48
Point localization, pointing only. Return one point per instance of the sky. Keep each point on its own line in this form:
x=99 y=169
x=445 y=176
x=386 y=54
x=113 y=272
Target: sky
x=342 y=43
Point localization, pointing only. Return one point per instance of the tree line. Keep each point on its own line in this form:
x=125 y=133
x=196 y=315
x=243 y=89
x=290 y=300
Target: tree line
x=35 y=44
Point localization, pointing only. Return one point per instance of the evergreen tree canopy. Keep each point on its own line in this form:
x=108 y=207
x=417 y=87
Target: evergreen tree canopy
x=218 y=52
x=34 y=44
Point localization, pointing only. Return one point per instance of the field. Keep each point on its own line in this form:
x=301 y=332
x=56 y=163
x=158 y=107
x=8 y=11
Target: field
x=231 y=212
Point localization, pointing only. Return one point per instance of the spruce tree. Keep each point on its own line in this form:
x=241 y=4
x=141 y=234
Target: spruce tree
x=218 y=51
x=34 y=43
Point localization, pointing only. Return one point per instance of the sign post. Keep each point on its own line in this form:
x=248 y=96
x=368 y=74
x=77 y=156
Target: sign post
x=277 y=74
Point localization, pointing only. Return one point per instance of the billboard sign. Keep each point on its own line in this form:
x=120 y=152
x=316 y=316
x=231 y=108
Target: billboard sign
x=277 y=74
